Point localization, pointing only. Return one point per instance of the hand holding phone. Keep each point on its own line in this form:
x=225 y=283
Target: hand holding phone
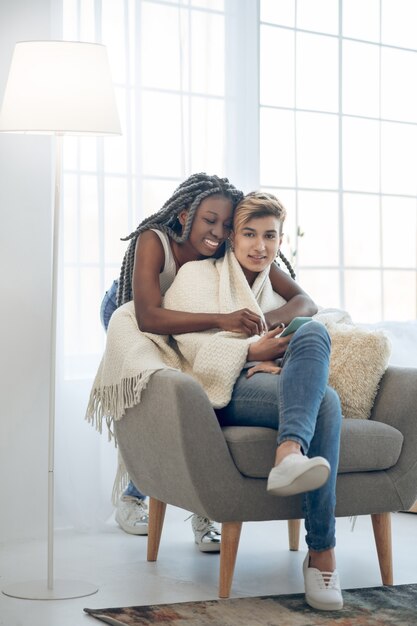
x=295 y=325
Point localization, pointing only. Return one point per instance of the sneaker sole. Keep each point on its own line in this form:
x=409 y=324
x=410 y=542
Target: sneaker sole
x=208 y=547
x=311 y=478
x=324 y=607
x=133 y=530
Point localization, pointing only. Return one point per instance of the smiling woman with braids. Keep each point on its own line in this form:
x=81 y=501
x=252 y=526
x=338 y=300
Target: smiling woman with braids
x=193 y=224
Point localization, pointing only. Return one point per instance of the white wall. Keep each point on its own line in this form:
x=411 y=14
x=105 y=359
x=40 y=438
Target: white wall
x=25 y=214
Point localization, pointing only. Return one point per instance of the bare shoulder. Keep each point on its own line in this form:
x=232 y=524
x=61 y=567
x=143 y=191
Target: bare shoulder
x=149 y=249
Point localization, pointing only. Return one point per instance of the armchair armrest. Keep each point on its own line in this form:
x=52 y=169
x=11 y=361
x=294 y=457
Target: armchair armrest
x=396 y=405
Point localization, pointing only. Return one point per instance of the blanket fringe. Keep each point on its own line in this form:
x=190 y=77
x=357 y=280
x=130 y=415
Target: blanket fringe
x=110 y=402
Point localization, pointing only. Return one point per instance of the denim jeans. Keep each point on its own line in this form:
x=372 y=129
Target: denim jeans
x=109 y=304
x=302 y=408
x=108 y=307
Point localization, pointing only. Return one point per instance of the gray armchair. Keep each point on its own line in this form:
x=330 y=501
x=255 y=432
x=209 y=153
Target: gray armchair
x=176 y=452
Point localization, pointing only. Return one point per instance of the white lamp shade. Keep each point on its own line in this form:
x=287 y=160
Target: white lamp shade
x=59 y=87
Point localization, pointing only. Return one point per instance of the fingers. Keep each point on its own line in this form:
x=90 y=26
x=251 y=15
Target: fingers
x=261 y=367
x=253 y=323
x=275 y=332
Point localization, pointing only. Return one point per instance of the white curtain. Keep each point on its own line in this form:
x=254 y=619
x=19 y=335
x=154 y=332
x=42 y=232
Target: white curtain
x=185 y=75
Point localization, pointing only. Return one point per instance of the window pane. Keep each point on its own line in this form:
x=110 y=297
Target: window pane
x=318 y=219
x=398 y=85
x=361 y=230
x=277 y=152
x=400 y=295
x=282 y=12
x=70 y=230
x=162 y=134
x=116 y=223
x=363 y=295
x=70 y=152
x=87 y=21
x=360 y=79
x=207 y=135
x=321 y=285
x=214 y=5
x=399 y=18
x=207 y=53
x=290 y=239
x=317 y=148
x=399 y=232
x=317 y=72
x=82 y=331
x=277 y=66
x=160 y=32
x=154 y=195
x=398 y=158
x=361 y=19
x=113 y=33
x=320 y=15
x=88 y=154
x=70 y=20
x=89 y=220
x=360 y=154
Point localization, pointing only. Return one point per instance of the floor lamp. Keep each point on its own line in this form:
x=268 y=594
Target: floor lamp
x=58 y=88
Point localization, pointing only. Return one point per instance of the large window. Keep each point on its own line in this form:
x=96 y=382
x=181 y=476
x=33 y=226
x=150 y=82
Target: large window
x=168 y=62
x=338 y=143
x=315 y=100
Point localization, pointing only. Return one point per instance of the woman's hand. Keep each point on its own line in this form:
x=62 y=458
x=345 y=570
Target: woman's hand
x=242 y=321
x=269 y=367
x=269 y=347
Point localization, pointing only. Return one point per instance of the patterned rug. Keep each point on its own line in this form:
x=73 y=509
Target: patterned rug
x=376 y=606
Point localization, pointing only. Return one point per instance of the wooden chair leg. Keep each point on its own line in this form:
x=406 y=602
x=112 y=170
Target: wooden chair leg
x=228 y=552
x=156 y=522
x=381 y=523
x=294 y=533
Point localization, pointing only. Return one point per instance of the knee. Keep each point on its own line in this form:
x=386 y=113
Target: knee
x=314 y=331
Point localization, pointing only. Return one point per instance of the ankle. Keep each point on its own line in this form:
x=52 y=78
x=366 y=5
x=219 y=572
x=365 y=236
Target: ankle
x=324 y=561
x=286 y=448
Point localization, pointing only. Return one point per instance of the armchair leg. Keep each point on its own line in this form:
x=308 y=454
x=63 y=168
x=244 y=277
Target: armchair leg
x=228 y=552
x=156 y=522
x=294 y=533
x=381 y=523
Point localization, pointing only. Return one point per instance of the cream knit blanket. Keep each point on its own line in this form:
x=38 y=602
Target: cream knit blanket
x=214 y=358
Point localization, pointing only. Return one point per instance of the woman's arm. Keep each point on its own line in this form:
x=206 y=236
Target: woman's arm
x=298 y=302
x=151 y=317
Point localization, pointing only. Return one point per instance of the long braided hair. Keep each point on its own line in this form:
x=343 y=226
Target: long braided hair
x=189 y=196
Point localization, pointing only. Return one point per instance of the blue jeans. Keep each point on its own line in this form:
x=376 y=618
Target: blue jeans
x=302 y=408
x=109 y=304
x=108 y=307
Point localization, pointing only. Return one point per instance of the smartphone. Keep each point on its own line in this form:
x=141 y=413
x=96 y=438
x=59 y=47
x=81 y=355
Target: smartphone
x=295 y=325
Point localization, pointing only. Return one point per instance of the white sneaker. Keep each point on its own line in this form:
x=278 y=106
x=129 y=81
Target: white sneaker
x=297 y=474
x=206 y=535
x=322 y=589
x=132 y=515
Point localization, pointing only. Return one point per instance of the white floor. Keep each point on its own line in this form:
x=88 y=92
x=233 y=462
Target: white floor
x=116 y=562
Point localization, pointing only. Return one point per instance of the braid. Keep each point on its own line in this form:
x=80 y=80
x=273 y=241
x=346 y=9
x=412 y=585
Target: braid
x=188 y=195
x=287 y=264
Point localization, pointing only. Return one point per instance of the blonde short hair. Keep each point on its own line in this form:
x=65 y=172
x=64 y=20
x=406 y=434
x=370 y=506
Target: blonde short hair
x=258 y=204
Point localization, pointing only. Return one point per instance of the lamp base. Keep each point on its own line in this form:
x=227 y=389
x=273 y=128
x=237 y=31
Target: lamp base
x=38 y=590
